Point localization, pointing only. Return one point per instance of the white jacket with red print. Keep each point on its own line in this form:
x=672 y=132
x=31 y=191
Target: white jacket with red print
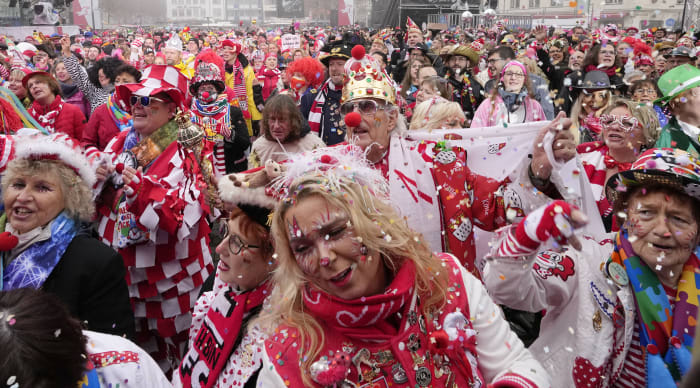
x=580 y=344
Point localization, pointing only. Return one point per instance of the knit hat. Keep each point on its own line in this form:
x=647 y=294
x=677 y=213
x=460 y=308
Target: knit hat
x=155 y=79
x=677 y=80
x=32 y=144
x=671 y=167
x=364 y=78
x=208 y=67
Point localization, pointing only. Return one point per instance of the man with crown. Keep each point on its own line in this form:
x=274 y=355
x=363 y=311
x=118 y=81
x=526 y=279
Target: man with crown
x=153 y=209
x=448 y=204
x=225 y=131
x=173 y=56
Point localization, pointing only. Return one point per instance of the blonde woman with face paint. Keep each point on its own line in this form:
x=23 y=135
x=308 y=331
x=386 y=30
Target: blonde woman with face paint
x=360 y=299
x=628 y=300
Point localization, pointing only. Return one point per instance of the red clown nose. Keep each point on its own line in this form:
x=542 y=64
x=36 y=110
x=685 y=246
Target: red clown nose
x=353 y=119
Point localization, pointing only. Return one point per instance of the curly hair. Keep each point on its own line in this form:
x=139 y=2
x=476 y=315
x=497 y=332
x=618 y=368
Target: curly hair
x=77 y=196
x=109 y=66
x=312 y=70
x=367 y=214
x=43 y=346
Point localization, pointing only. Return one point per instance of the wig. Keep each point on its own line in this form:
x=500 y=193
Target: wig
x=109 y=67
x=312 y=70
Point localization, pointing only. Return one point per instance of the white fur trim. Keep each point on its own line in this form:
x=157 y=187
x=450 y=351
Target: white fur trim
x=35 y=145
x=238 y=195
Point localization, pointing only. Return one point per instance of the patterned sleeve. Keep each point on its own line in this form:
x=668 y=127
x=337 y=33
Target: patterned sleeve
x=80 y=77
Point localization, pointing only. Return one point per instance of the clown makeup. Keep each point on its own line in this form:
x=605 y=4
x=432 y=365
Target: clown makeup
x=663 y=230
x=323 y=243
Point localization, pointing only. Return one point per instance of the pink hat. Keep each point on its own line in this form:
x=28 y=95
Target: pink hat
x=156 y=79
x=513 y=63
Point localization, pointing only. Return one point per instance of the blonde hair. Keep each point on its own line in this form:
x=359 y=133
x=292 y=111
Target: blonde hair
x=577 y=110
x=646 y=116
x=430 y=114
x=77 y=196
x=372 y=219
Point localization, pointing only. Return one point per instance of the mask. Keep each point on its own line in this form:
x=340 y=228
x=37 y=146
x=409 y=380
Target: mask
x=298 y=83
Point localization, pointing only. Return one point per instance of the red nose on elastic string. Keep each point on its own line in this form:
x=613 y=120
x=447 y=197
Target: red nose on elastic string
x=8 y=241
x=353 y=119
x=205 y=95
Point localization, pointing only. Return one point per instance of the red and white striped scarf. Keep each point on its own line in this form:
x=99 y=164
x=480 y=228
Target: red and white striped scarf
x=316 y=112
x=239 y=88
x=50 y=112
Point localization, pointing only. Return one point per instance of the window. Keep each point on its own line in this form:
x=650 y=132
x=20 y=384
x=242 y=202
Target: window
x=618 y=1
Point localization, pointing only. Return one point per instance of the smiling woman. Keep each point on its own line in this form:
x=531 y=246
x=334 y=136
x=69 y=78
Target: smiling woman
x=47 y=195
x=354 y=281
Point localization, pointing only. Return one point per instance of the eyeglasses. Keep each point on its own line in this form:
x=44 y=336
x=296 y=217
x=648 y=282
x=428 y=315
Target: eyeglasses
x=513 y=75
x=235 y=244
x=645 y=91
x=365 y=107
x=144 y=100
x=627 y=123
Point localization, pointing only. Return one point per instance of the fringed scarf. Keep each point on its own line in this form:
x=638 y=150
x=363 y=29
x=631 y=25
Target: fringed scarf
x=666 y=334
x=214 y=118
x=122 y=119
x=215 y=340
x=316 y=112
x=46 y=114
x=239 y=88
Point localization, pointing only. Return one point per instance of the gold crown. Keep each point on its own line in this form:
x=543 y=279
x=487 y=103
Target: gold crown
x=365 y=79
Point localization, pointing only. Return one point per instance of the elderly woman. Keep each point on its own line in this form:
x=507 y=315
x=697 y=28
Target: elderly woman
x=241 y=285
x=628 y=129
x=154 y=210
x=285 y=132
x=49 y=109
x=626 y=300
x=358 y=301
x=596 y=95
x=511 y=102
x=47 y=194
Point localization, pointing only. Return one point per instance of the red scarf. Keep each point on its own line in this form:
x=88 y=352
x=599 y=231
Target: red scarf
x=611 y=71
x=214 y=342
x=364 y=318
x=46 y=114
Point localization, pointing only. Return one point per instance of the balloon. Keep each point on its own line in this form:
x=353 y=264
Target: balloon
x=466 y=15
x=572 y=4
x=490 y=13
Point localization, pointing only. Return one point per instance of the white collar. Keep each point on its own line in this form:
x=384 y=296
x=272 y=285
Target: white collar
x=690 y=130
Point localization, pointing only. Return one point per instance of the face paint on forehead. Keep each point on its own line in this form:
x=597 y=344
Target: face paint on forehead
x=294 y=229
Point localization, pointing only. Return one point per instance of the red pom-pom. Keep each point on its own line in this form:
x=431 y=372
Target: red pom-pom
x=439 y=339
x=205 y=95
x=8 y=241
x=358 y=52
x=353 y=119
x=119 y=168
x=325 y=158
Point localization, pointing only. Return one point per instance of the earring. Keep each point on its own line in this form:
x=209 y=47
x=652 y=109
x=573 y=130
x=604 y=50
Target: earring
x=363 y=252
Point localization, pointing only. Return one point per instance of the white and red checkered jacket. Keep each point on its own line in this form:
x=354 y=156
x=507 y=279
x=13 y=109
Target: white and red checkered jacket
x=164 y=272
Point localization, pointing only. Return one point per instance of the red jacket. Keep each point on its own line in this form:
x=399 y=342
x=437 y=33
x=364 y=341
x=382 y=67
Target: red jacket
x=100 y=128
x=70 y=119
x=269 y=80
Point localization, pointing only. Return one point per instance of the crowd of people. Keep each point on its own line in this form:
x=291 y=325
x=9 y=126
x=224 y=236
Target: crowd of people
x=221 y=209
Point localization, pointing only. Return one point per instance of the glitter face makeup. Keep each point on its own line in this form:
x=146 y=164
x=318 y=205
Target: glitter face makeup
x=323 y=242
